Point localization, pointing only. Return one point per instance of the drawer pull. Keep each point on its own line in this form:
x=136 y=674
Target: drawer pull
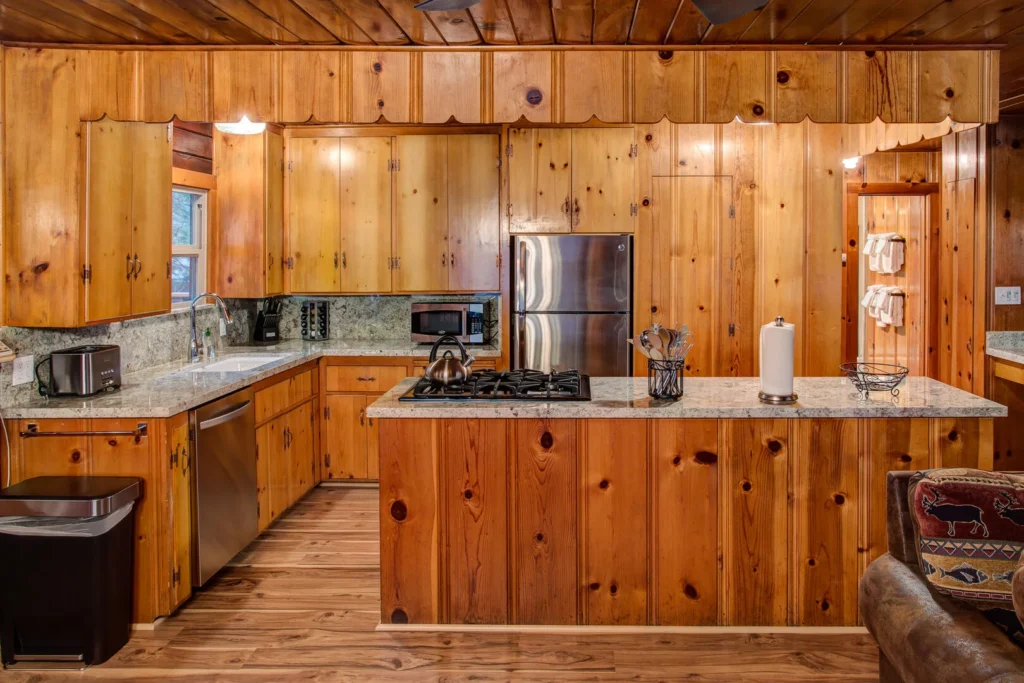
x=32 y=430
x=366 y=379
x=362 y=413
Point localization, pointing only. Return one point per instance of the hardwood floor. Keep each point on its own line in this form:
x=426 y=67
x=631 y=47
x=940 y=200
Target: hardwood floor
x=301 y=604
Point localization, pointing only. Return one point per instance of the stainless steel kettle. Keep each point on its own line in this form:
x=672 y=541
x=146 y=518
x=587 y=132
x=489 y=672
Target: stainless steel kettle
x=448 y=369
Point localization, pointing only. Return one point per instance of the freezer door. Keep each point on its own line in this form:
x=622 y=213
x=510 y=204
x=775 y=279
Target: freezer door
x=593 y=343
x=573 y=273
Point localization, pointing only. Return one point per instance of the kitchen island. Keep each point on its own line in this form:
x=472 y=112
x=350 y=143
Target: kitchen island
x=624 y=510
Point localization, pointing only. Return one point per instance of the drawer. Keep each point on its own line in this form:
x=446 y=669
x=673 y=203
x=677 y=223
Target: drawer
x=371 y=379
x=283 y=395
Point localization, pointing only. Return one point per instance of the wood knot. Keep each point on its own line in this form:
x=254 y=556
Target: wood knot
x=112 y=442
x=604 y=484
x=746 y=486
x=534 y=96
x=467 y=494
x=647 y=202
x=953 y=435
x=690 y=592
x=676 y=460
x=665 y=55
x=949 y=93
x=380 y=104
x=774 y=445
x=811 y=562
x=76 y=456
x=378 y=67
x=613 y=589
x=546 y=440
x=539 y=537
x=41 y=268
x=595 y=586
x=705 y=458
x=905 y=458
x=869 y=53
x=399 y=511
x=648 y=137
x=839 y=498
x=399 y=616
x=782 y=78
x=1015 y=144
x=825 y=604
x=758 y=110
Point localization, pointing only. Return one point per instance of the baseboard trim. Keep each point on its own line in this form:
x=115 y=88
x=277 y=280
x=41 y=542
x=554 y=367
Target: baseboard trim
x=614 y=630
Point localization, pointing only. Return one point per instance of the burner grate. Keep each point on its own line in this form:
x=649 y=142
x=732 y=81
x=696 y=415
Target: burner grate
x=495 y=385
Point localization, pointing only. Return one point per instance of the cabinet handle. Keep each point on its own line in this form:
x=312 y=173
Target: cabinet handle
x=131 y=267
x=270 y=260
x=565 y=206
x=366 y=379
x=444 y=259
x=453 y=259
x=335 y=259
x=362 y=414
x=398 y=262
x=344 y=260
x=369 y=421
x=138 y=266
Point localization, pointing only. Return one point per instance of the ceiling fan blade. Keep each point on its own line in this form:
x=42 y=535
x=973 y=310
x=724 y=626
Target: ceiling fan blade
x=444 y=5
x=724 y=11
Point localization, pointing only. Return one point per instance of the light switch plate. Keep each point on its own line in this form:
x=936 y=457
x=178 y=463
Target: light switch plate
x=23 y=370
x=1007 y=296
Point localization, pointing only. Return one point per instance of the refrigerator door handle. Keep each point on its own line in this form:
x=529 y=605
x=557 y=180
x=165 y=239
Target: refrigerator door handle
x=519 y=347
x=521 y=276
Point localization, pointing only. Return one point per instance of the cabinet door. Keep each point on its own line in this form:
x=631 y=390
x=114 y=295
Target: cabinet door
x=264 y=504
x=372 y=444
x=270 y=440
x=421 y=213
x=539 y=179
x=151 y=218
x=602 y=180
x=345 y=437
x=240 y=226
x=51 y=456
x=108 y=220
x=365 y=214
x=314 y=234
x=181 y=511
x=274 y=213
x=473 y=233
x=300 y=451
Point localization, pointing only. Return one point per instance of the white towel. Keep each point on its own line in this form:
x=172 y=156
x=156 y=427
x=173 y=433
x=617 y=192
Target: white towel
x=892 y=259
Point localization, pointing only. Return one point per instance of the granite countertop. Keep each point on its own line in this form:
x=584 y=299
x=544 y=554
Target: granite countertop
x=1006 y=345
x=621 y=397
x=169 y=389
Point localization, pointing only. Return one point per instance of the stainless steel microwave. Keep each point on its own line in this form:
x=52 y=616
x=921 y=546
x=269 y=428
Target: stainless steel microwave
x=431 y=321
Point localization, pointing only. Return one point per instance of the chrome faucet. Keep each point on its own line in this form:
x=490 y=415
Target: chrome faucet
x=193 y=345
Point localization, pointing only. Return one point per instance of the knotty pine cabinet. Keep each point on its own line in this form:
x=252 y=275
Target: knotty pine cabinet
x=126 y=220
x=416 y=213
x=156 y=451
x=565 y=180
x=249 y=230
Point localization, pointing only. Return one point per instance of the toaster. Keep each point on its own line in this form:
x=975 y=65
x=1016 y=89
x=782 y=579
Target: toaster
x=84 y=370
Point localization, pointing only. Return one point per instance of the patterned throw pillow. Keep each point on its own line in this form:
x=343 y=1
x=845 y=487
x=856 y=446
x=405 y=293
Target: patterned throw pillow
x=970 y=537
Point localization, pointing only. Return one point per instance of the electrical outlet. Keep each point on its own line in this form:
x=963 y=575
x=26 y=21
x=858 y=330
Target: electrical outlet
x=24 y=370
x=1007 y=296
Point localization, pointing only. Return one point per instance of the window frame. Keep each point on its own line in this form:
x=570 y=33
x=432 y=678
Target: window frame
x=200 y=228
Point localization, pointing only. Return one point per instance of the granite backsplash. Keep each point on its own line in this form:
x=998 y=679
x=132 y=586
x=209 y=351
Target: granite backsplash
x=146 y=342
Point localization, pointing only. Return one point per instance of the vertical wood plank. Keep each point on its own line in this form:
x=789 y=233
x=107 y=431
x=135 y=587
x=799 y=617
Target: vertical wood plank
x=409 y=522
x=614 y=519
x=964 y=277
x=962 y=442
x=878 y=85
x=806 y=86
x=540 y=179
x=245 y=84
x=594 y=86
x=476 y=521
x=311 y=86
x=522 y=86
x=365 y=217
x=825 y=466
x=736 y=84
x=314 y=206
x=666 y=85
x=473 y=230
x=175 y=83
x=240 y=217
x=754 y=487
x=545 y=537
x=151 y=217
x=684 y=484
x=273 y=216
x=951 y=84
x=603 y=170
x=380 y=87
x=451 y=87
x=107 y=84
x=421 y=213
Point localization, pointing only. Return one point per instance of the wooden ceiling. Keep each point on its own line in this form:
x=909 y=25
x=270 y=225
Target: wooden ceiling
x=523 y=22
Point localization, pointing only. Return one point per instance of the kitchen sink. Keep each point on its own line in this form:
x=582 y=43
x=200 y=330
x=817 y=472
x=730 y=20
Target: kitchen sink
x=235 y=364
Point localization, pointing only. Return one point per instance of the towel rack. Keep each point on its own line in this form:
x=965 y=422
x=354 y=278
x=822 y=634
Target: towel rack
x=32 y=431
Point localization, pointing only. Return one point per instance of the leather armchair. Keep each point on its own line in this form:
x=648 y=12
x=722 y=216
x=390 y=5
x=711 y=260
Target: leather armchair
x=923 y=636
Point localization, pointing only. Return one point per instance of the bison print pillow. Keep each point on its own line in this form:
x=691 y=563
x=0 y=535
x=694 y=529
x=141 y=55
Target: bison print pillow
x=970 y=534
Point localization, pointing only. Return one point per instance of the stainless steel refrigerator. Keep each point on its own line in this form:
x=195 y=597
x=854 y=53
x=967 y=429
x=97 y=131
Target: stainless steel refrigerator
x=573 y=303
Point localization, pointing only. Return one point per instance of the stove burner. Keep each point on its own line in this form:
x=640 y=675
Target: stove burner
x=522 y=385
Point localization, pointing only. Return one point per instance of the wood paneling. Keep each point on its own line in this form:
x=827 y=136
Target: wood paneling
x=540 y=179
x=380 y=87
x=826 y=515
x=962 y=442
x=473 y=231
x=884 y=81
x=311 y=86
x=473 y=493
x=365 y=214
x=595 y=86
x=666 y=84
x=522 y=86
x=245 y=84
x=409 y=522
x=175 y=84
x=274 y=214
x=755 y=573
x=544 y=529
x=151 y=218
x=421 y=213
x=948 y=86
x=806 y=86
x=107 y=84
x=314 y=214
x=684 y=486
x=614 y=522
x=449 y=92
x=602 y=180
x=736 y=85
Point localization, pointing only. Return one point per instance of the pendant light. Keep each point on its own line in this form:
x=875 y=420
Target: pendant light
x=243 y=127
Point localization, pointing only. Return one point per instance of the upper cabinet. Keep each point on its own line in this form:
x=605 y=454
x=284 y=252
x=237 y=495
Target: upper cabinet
x=376 y=215
x=250 y=214
x=126 y=220
x=571 y=180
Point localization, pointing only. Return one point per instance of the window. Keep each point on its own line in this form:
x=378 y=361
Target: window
x=188 y=245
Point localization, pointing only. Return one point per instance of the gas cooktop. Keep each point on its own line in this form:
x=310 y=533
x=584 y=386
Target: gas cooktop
x=514 y=385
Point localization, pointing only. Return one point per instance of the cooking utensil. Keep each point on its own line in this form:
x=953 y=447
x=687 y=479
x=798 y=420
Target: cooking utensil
x=448 y=369
x=651 y=340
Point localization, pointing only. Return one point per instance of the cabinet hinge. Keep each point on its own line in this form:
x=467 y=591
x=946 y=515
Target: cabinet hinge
x=176 y=576
x=170 y=132
x=257 y=509
x=633 y=209
x=947 y=214
x=633 y=151
x=327 y=460
x=394 y=165
x=508 y=210
x=86 y=274
x=192 y=434
x=732 y=211
x=732 y=329
x=174 y=458
x=290 y=263
x=508 y=150
x=289 y=166
x=327 y=412
x=168 y=270
x=499 y=161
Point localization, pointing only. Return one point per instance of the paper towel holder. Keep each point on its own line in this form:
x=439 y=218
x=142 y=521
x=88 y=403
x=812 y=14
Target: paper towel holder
x=772 y=398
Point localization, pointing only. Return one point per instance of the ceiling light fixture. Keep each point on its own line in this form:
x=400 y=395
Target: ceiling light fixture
x=444 y=5
x=851 y=163
x=242 y=127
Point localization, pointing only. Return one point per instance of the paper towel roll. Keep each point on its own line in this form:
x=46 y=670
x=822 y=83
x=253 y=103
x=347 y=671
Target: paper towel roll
x=777 y=343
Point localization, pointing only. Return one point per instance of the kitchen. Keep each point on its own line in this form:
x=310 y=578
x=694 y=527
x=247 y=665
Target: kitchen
x=384 y=177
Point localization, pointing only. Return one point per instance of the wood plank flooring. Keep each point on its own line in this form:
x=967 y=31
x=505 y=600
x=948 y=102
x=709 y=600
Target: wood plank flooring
x=301 y=603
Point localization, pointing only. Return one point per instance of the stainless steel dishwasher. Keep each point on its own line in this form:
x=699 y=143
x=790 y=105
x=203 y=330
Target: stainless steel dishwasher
x=223 y=482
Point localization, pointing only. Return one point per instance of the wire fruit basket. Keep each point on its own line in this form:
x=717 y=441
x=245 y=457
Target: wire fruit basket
x=868 y=377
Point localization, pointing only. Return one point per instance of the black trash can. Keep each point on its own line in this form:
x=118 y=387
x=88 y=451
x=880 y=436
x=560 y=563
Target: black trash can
x=66 y=574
